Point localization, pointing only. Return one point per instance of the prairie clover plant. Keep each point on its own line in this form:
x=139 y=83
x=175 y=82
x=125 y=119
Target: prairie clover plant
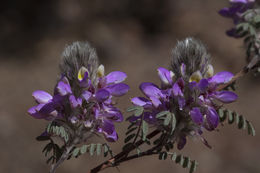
x=189 y=100
x=81 y=106
x=191 y=97
x=246 y=17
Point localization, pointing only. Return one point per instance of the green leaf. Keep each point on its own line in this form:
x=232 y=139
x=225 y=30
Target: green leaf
x=131 y=109
x=131 y=125
x=230 y=117
x=252 y=30
x=186 y=162
x=47 y=148
x=106 y=150
x=92 y=149
x=173 y=123
x=98 y=149
x=144 y=130
x=257 y=19
x=163 y=156
x=130 y=131
x=221 y=114
x=83 y=149
x=174 y=156
x=138 y=110
x=250 y=128
x=48 y=129
x=182 y=161
x=75 y=152
x=243 y=25
x=241 y=122
x=167 y=119
x=138 y=151
x=161 y=114
x=193 y=167
x=178 y=158
x=128 y=138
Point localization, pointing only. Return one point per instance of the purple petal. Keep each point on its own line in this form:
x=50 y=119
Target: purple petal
x=113 y=113
x=102 y=95
x=212 y=118
x=233 y=33
x=151 y=90
x=178 y=87
x=34 y=111
x=241 y=1
x=192 y=85
x=225 y=12
x=115 y=77
x=133 y=119
x=196 y=115
x=45 y=133
x=165 y=75
x=88 y=123
x=181 y=143
x=181 y=102
x=75 y=102
x=86 y=95
x=203 y=85
x=221 y=77
x=118 y=89
x=108 y=127
x=85 y=76
x=63 y=88
x=111 y=137
x=47 y=108
x=183 y=69
x=140 y=101
x=85 y=81
x=41 y=96
x=73 y=119
x=225 y=96
x=150 y=117
x=155 y=101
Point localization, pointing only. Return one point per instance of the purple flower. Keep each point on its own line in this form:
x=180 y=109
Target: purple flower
x=90 y=105
x=194 y=99
x=235 y=11
x=51 y=107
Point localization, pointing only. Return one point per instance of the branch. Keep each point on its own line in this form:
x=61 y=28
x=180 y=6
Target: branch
x=63 y=157
x=251 y=65
x=120 y=157
x=110 y=162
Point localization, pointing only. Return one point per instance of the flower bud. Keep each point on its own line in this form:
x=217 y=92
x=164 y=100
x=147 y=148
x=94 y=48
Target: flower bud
x=101 y=70
x=210 y=71
x=76 y=56
x=189 y=56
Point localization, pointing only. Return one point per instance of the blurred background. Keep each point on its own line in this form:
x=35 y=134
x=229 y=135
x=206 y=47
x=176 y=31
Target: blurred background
x=134 y=36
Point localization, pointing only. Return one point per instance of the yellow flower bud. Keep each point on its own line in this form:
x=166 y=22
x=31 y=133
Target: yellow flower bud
x=196 y=76
x=101 y=71
x=210 y=71
x=81 y=73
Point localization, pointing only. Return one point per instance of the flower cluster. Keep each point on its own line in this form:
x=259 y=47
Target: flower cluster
x=235 y=11
x=194 y=101
x=92 y=108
